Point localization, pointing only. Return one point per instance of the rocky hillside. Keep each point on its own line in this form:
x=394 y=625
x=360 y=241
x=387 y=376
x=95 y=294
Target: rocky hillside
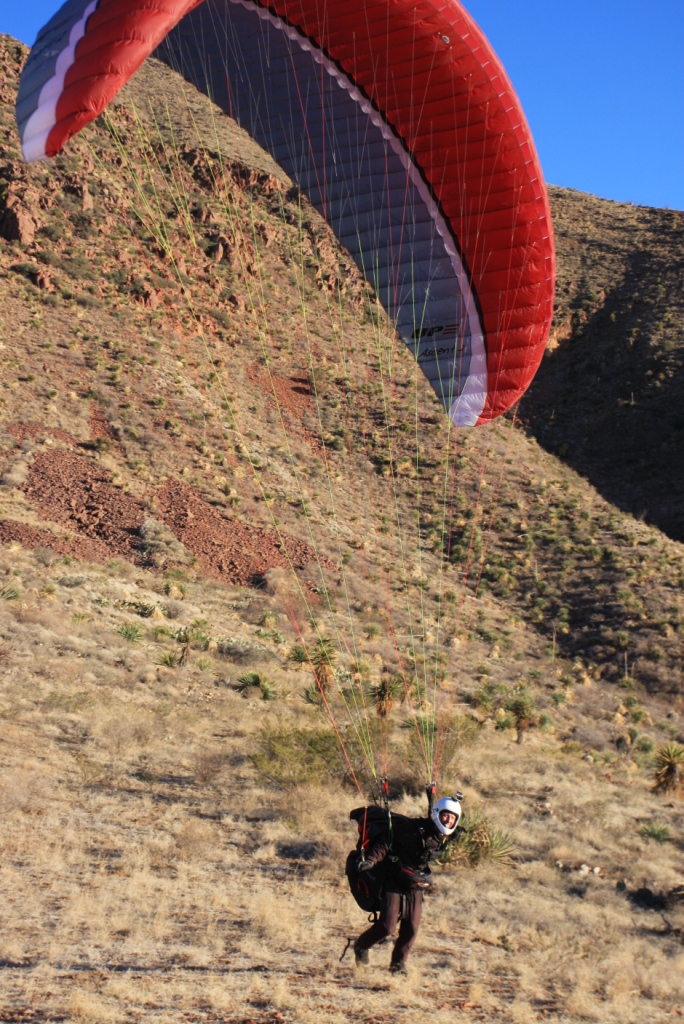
x=215 y=460
x=185 y=341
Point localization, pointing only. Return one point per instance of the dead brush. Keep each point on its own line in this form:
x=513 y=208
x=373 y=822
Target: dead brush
x=91 y=773
x=195 y=840
x=207 y=765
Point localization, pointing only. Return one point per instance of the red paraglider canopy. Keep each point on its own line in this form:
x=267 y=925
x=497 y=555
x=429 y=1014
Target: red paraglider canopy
x=426 y=75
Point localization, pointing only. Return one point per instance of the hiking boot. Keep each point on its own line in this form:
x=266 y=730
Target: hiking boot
x=361 y=957
x=398 y=969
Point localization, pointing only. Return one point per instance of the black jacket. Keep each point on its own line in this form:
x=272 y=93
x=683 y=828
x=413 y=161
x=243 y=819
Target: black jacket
x=408 y=848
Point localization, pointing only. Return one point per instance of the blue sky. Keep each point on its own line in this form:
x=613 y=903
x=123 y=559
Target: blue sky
x=601 y=81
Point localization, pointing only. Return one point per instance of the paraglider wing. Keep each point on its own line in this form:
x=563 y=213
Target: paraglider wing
x=398 y=122
x=80 y=60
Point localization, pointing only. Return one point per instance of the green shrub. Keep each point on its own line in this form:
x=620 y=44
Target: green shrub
x=484 y=697
x=131 y=631
x=293 y=757
x=503 y=722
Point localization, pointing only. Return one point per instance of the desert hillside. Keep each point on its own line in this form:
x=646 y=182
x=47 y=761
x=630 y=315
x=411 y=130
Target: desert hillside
x=221 y=480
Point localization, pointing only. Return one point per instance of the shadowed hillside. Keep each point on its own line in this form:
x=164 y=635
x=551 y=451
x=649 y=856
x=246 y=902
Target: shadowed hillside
x=608 y=396
x=217 y=466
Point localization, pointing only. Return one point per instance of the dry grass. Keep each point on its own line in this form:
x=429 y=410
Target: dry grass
x=136 y=833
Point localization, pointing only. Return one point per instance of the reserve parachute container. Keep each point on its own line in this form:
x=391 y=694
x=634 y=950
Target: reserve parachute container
x=394 y=117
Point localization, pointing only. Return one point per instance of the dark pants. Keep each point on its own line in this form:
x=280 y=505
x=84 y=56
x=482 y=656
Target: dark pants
x=387 y=923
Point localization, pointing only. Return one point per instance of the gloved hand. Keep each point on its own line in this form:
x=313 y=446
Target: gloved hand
x=364 y=865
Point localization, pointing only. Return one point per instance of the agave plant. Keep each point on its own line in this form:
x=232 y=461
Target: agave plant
x=298 y=655
x=669 y=768
x=312 y=695
x=255 y=680
x=131 y=631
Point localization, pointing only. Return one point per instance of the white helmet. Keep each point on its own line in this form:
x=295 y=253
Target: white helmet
x=450 y=804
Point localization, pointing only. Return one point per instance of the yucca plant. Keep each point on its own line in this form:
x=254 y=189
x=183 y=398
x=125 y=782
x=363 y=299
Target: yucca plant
x=521 y=706
x=477 y=841
x=324 y=659
x=654 y=830
x=255 y=680
x=169 y=659
x=388 y=692
x=190 y=636
x=298 y=655
x=669 y=768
